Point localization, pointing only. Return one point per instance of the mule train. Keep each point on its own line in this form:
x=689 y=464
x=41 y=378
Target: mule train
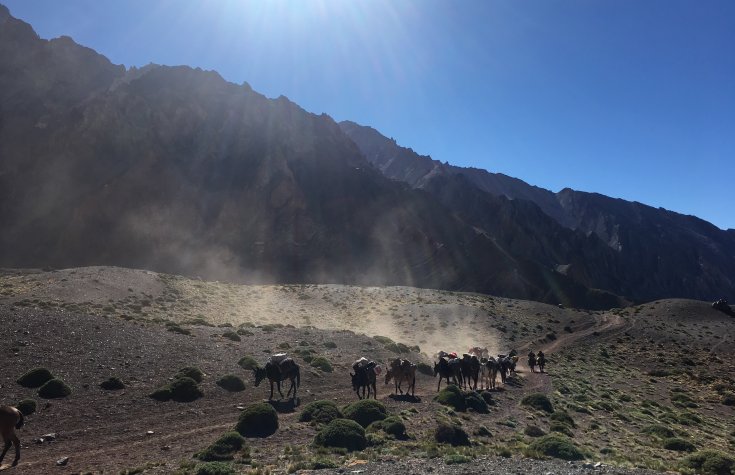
x=472 y=369
x=475 y=366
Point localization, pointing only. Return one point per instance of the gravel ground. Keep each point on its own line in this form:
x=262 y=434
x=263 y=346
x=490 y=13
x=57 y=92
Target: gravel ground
x=494 y=465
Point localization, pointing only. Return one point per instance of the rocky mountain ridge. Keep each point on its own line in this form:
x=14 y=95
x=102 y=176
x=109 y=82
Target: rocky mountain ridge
x=655 y=252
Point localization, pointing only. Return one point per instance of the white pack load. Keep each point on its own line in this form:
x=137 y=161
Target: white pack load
x=361 y=363
x=278 y=358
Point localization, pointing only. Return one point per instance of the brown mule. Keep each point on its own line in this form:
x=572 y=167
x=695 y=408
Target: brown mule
x=10 y=420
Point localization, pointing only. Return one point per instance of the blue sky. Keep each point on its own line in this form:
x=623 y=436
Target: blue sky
x=631 y=98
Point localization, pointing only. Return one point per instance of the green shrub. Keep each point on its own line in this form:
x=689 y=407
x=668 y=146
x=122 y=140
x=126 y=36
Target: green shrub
x=557 y=447
x=679 y=445
x=244 y=332
x=223 y=448
x=330 y=344
x=487 y=396
x=231 y=383
x=424 y=368
x=185 y=389
x=456 y=458
x=711 y=462
x=447 y=433
x=322 y=363
x=161 y=394
x=112 y=384
x=26 y=407
x=365 y=412
x=343 y=433
x=177 y=329
x=563 y=417
x=682 y=400
x=475 y=402
x=728 y=400
x=452 y=396
x=54 y=388
x=322 y=412
x=383 y=340
x=248 y=362
x=391 y=425
x=483 y=431
x=561 y=429
x=659 y=431
x=35 y=378
x=534 y=431
x=538 y=401
x=190 y=372
x=231 y=335
x=215 y=468
x=257 y=420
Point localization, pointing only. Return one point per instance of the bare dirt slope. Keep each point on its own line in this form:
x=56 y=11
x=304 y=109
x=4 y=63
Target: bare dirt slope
x=616 y=373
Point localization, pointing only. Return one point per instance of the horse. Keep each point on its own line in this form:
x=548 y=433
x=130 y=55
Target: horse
x=364 y=377
x=489 y=373
x=505 y=366
x=10 y=420
x=470 y=370
x=445 y=369
x=532 y=361
x=479 y=352
x=400 y=370
x=541 y=360
x=277 y=372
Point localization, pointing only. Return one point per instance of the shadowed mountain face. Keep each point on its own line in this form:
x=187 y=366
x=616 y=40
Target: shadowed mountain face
x=177 y=170
x=623 y=247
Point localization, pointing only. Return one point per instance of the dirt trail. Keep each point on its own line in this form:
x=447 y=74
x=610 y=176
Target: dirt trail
x=541 y=382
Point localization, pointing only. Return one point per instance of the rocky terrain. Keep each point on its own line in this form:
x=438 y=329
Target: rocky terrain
x=625 y=381
x=626 y=248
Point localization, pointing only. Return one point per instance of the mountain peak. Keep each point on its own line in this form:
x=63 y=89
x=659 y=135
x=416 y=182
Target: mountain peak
x=4 y=12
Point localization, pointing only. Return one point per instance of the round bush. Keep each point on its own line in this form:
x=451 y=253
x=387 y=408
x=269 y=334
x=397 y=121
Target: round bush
x=215 y=468
x=231 y=383
x=539 y=402
x=35 y=378
x=679 y=445
x=112 y=384
x=534 y=431
x=452 y=396
x=54 y=388
x=248 y=362
x=447 y=433
x=257 y=420
x=322 y=412
x=342 y=433
x=563 y=418
x=711 y=462
x=161 y=394
x=391 y=425
x=26 y=407
x=557 y=447
x=185 y=389
x=424 y=368
x=322 y=363
x=475 y=402
x=223 y=448
x=365 y=412
x=659 y=431
x=190 y=372
x=561 y=429
x=231 y=335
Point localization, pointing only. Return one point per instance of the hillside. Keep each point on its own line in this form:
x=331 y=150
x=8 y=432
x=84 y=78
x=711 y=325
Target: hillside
x=626 y=248
x=174 y=169
x=616 y=374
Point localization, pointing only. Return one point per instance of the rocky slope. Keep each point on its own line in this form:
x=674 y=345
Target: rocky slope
x=626 y=248
x=175 y=169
